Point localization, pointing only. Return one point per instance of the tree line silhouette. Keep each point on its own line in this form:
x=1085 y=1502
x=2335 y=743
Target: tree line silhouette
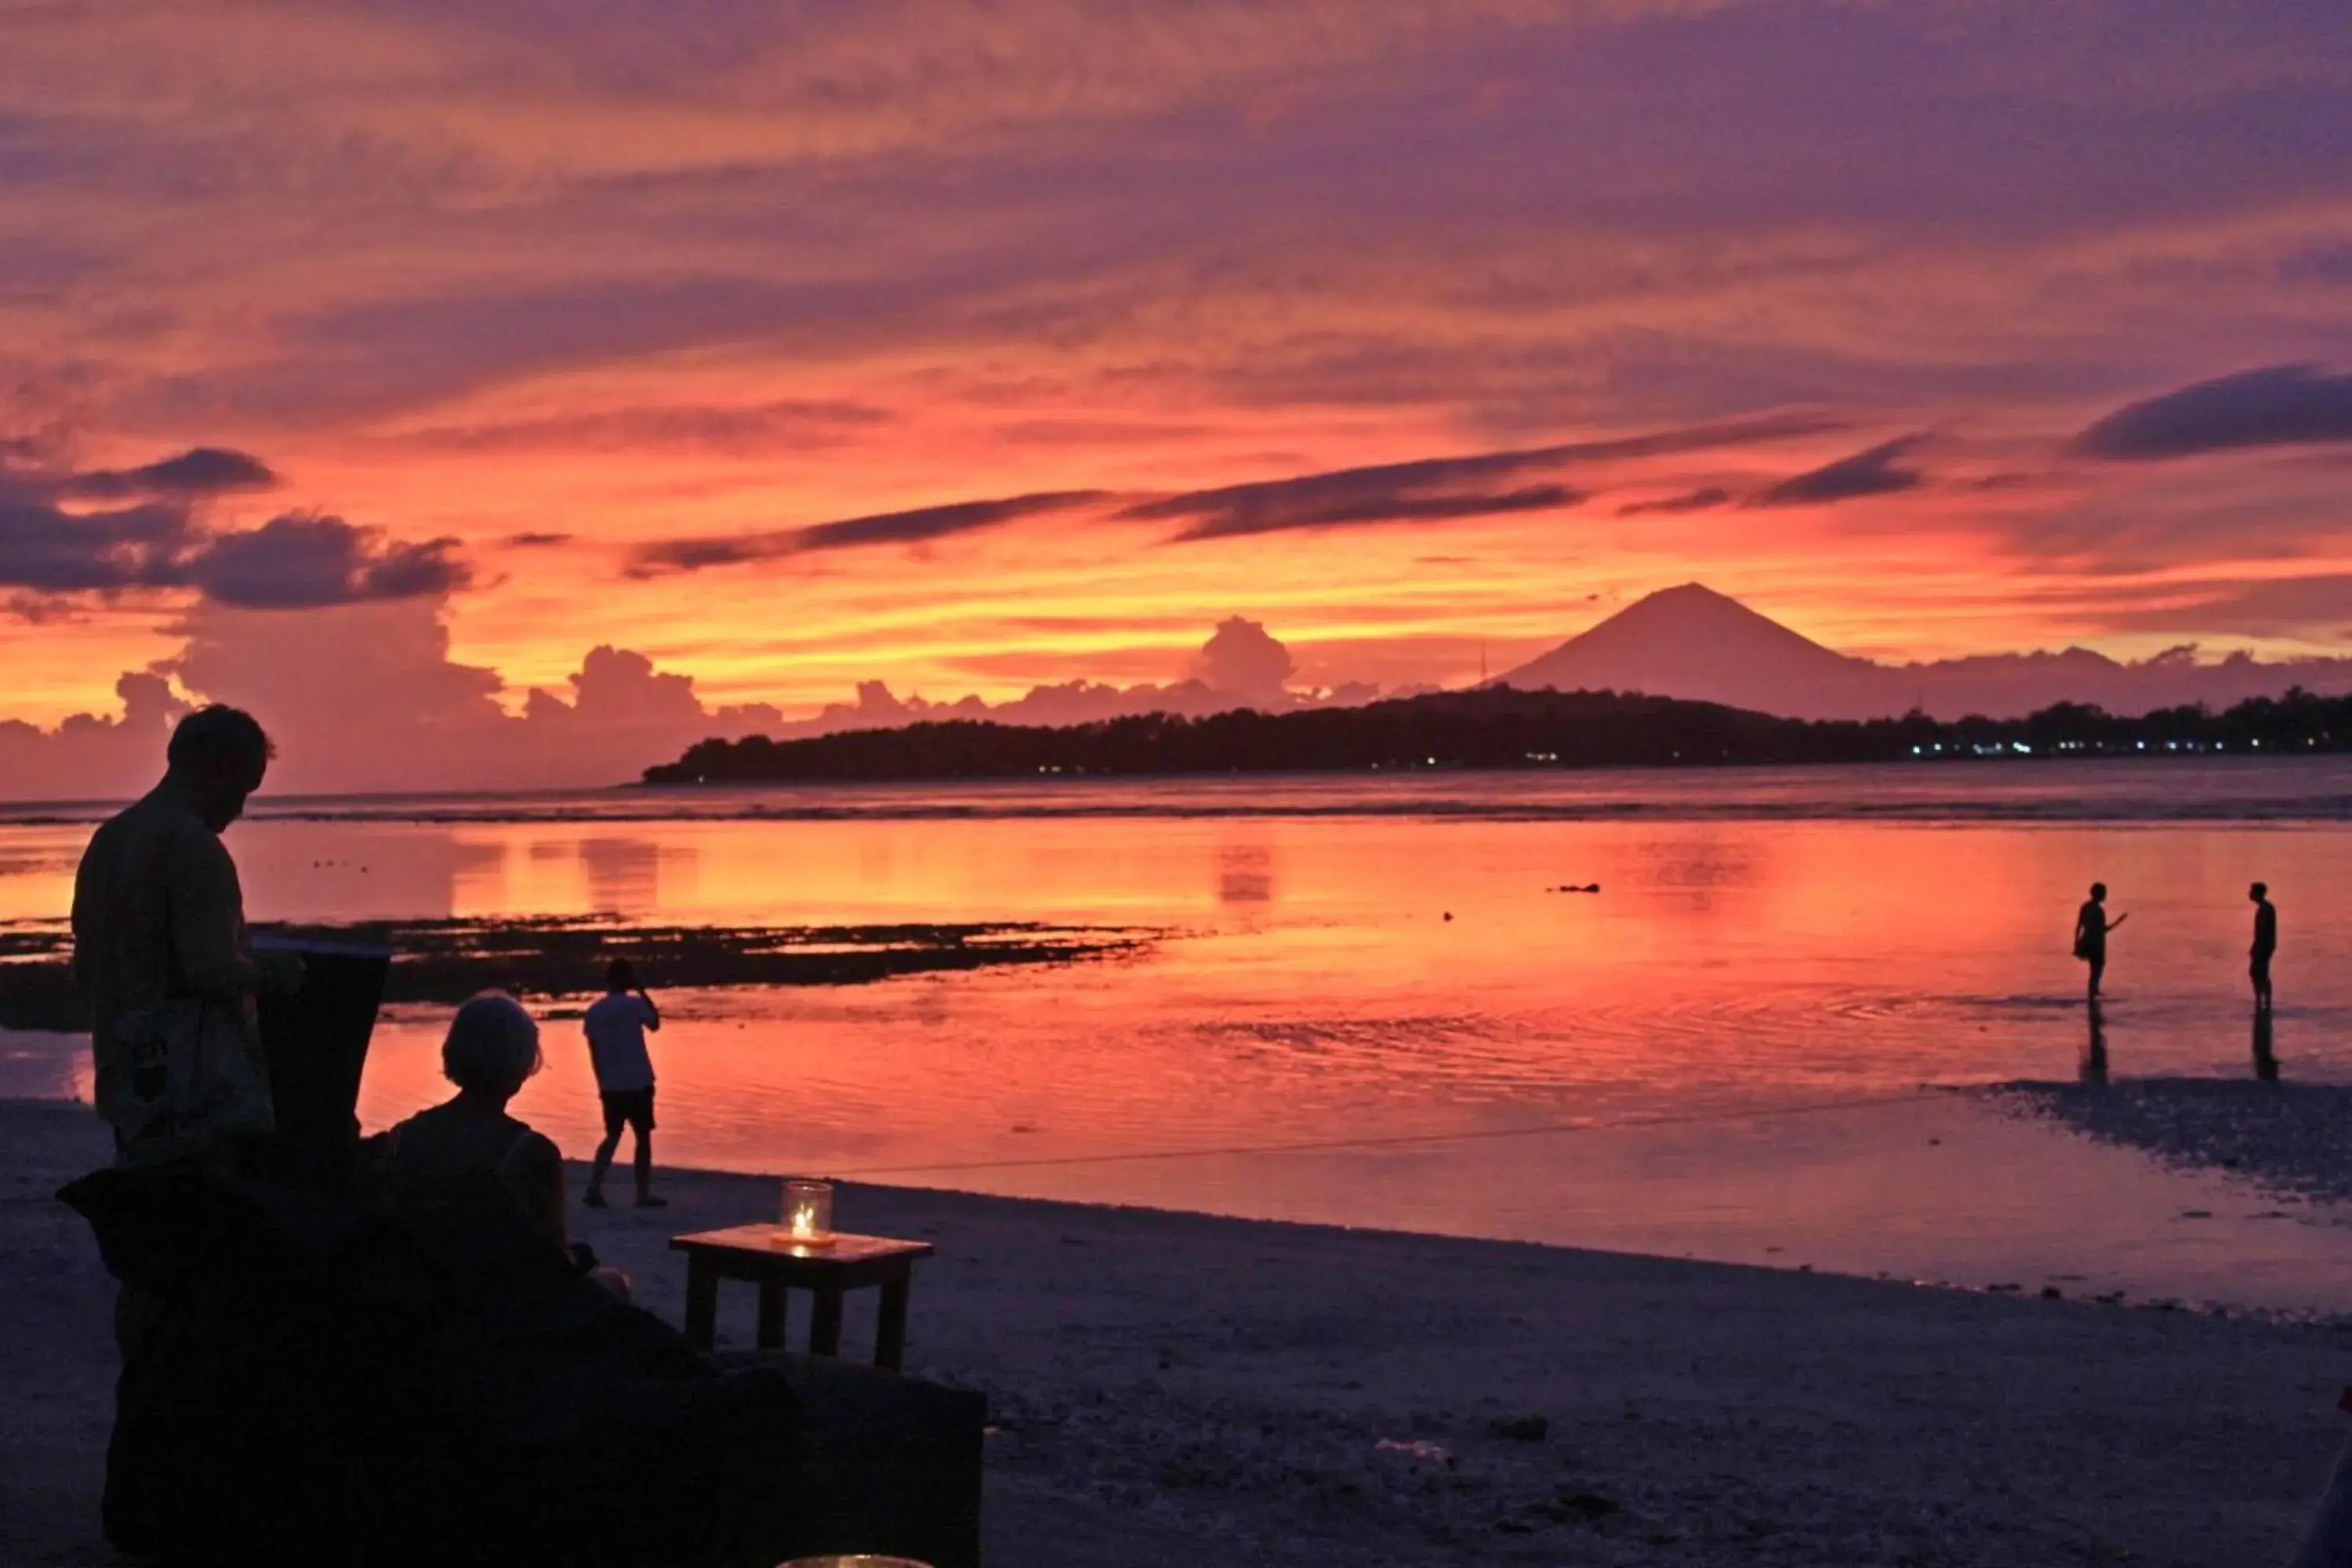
x=1498 y=727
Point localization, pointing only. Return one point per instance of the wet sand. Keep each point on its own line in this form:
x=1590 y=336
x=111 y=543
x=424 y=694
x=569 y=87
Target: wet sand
x=2291 y=1139
x=1173 y=1389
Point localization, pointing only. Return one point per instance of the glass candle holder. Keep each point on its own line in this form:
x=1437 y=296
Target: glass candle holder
x=808 y=1212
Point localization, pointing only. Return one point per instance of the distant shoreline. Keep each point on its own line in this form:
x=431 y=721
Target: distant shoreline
x=2096 y=789
x=1501 y=730
x=330 y=805
x=1987 y=759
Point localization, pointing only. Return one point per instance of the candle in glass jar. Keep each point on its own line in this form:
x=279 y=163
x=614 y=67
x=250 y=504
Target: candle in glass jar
x=808 y=1212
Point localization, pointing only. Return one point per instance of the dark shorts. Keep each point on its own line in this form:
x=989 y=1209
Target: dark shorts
x=629 y=1108
x=2259 y=966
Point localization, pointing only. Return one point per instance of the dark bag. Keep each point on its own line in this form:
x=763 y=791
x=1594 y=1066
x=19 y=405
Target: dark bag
x=183 y=1076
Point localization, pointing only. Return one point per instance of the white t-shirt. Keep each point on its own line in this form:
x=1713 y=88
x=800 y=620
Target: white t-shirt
x=616 y=1028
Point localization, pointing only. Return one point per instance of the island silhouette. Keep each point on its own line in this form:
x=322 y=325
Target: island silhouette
x=1500 y=726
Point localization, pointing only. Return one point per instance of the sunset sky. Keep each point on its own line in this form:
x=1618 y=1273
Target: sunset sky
x=973 y=347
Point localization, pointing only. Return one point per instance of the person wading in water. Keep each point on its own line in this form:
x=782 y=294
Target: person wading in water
x=2091 y=929
x=2258 y=967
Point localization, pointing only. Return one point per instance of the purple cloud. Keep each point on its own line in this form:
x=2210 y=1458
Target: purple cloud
x=2287 y=404
x=1867 y=473
x=1692 y=501
x=199 y=472
x=1433 y=489
x=918 y=526
x=300 y=562
x=50 y=551
x=296 y=561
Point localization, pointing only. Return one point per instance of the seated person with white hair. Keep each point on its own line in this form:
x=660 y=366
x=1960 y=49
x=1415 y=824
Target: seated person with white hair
x=438 y=1163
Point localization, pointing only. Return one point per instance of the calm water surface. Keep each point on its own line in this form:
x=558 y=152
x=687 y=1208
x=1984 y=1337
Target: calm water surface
x=1722 y=1052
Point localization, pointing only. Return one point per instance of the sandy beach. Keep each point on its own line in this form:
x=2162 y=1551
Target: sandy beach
x=1173 y=1389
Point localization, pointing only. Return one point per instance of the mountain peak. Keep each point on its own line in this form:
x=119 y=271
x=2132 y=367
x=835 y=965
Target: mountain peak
x=1692 y=642
x=1696 y=591
x=1696 y=609
x=1692 y=599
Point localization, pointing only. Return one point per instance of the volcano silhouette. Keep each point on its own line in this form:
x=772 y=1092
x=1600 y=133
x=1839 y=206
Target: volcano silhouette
x=1692 y=642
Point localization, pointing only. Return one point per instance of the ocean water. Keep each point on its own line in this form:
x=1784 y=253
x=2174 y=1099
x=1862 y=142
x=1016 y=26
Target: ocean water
x=1367 y=1003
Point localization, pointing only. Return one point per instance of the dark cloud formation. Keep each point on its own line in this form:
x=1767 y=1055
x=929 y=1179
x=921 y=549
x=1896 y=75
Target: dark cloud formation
x=199 y=472
x=48 y=550
x=1429 y=489
x=1874 y=472
x=1423 y=489
x=295 y=560
x=927 y=524
x=922 y=525
x=308 y=562
x=1690 y=501
x=536 y=541
x=2287 y=404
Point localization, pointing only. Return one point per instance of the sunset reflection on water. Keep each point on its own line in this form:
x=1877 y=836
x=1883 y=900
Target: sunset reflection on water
x=1328 y=980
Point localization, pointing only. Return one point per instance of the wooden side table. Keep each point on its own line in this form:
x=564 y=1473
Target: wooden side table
x=755 y=1254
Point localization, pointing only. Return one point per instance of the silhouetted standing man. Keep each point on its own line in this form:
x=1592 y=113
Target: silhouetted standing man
x=2265 y=944
x=160 y=950
x=159 y=916
x=2091 y=929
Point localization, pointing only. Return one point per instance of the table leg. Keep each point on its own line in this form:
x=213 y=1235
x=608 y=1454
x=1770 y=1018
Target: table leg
x=701 y=1302
x=772 y=1315
x=824 y=1327
x=890 y=1330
